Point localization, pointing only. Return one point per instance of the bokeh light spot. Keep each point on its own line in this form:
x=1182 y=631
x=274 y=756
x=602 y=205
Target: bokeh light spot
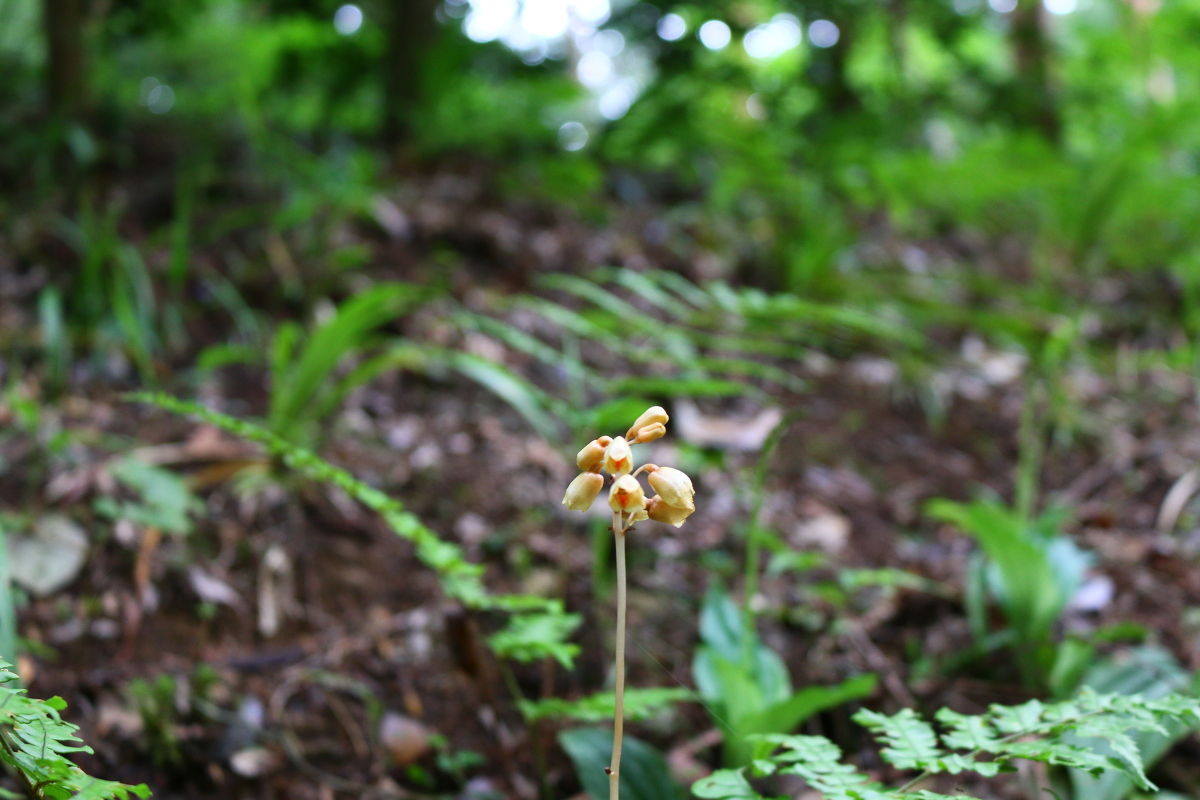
x=609 y=42
x=672 y=27
x=146 y=86
x=490 y=20
x=594 y=70
x=592 y=12
x=755 y=107
x=348 y=19
x=161 y=99
x=572 y=136
x=773 y=39
x=1060 y=6
x=545 y=18
x=823 y=33
x=615 y=102
x=715 y=34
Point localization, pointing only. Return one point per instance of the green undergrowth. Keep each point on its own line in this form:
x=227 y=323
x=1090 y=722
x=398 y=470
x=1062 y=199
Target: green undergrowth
x=36 y=744
x=538 y=626
x=1091 y=732
x=659 y=334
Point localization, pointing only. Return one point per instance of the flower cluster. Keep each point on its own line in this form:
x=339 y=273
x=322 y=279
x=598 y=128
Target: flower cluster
x=626 y=497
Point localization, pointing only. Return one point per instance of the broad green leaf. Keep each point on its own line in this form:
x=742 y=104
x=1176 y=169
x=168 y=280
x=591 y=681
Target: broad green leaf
x=1032 y=596
x=644 y=773
x=740 y=694
x=784 y=716
x=722 y=625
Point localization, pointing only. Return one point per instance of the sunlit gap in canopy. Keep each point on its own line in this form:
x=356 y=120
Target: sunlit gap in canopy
x=600 y=59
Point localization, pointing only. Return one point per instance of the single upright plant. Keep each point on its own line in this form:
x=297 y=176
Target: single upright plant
x=627 y=499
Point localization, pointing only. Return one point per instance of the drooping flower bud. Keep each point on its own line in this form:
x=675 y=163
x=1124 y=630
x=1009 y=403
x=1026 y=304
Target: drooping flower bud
x=627 y=495
x=674 y=486
x=618 y=457
x=583 y=490
x=592 y=454
x=653 y=414
x=648 y=433
x=660 y=511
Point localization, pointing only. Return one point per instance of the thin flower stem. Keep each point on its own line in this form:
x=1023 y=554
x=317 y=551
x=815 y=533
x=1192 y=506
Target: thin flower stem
x=614 y=771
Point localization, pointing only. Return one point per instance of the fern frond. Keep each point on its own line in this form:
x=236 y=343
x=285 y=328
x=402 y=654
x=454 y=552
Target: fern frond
x=909 y=741
x=985 y=744
x=815 y=759
x=818 y=761
x=36 y=742
x=532 y=637
x=459 y=578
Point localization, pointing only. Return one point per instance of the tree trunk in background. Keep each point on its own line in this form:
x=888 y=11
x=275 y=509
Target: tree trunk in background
x=1035 y=106
x=66 y=70
x=412 y=29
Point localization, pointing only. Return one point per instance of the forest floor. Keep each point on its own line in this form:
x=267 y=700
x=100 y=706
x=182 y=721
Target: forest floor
x=309 y=655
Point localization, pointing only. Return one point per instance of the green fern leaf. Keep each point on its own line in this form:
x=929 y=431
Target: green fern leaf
x=533 y=637
x=459 y=578
x=1032 y=731
x=967 y=732
x=35 y=741
x=1017 y=719
x=909 y=741
x=725 y=784
x=1115 y=732
x=818 y=761
x=1059 y=754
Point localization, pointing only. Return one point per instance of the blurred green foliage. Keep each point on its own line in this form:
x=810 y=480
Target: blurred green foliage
x=916 y=112
x=213 y=199
x=935 y=152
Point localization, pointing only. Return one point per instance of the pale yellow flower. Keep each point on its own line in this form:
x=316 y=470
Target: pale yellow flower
x=592 y=454
x=674 y=486
x=660 y=511
x=652 y=415
x=627 y=495
x=583 y=490
x=648 y=433
x=618 y=457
